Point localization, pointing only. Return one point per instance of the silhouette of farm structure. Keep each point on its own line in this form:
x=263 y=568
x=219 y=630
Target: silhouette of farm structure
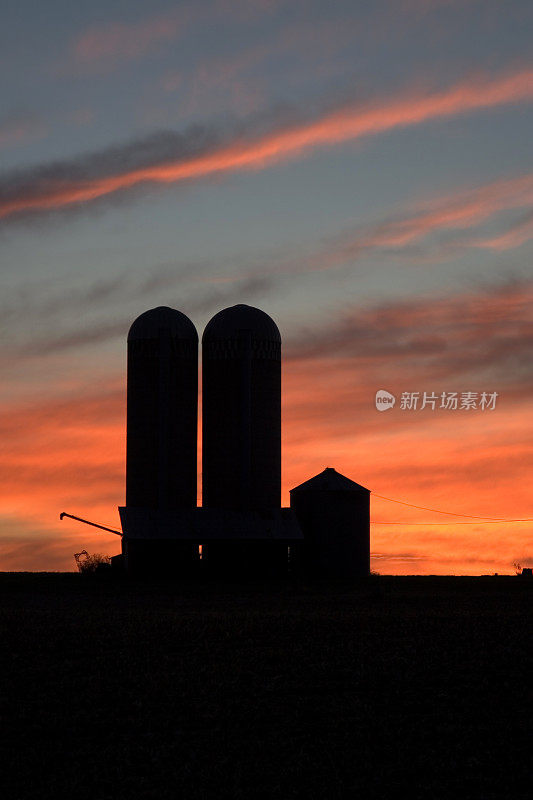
x=241 y=528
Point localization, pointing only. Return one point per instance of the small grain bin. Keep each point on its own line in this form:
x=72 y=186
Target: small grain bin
x=334 y=515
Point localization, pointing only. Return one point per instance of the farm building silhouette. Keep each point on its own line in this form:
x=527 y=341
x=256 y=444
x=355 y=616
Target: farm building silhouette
x=241 y=528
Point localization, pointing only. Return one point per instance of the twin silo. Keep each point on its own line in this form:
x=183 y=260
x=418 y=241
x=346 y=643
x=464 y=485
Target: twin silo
x=240 y=527
x=241 y=410
x=161 y=439
x=162 y=411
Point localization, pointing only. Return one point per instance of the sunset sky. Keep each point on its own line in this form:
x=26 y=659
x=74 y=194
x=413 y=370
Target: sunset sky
x=361 y=171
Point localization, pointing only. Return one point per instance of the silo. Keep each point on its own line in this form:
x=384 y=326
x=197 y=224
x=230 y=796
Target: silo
x=162 y=413
x=334 y=515
x=241 y=410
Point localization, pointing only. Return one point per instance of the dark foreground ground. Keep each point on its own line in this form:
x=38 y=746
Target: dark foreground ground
x=115 y=690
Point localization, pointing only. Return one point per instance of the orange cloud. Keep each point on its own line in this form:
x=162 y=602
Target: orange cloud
x=515 y=236
x=27 y=545
x=460 y=462
x=71 y=457
x=59 y=454
x=67 y=453
x=347 y=124
x=465 y=462
x=466 y=210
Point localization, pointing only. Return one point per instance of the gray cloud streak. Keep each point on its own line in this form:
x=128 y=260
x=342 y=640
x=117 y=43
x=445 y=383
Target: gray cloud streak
x=474 y=332
x=29 y=183
x=45 y=340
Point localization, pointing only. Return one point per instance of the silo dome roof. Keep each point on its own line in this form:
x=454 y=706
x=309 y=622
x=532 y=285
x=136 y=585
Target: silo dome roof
x=230 y=321
x=330 y=481
x=162 y=321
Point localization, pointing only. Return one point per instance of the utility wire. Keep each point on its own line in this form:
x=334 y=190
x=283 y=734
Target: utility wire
x=480 y=522
x=451 y=513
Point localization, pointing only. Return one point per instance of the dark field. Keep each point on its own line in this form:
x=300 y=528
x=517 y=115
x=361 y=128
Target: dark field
x=116 y=690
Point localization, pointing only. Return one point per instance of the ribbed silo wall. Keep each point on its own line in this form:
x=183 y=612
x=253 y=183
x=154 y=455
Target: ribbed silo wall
x=241 y=402
x=162 y=414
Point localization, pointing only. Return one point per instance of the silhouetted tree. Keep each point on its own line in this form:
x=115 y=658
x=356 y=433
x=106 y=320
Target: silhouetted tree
x=94 y=563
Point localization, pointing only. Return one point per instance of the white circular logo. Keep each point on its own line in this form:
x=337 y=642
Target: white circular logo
x=384 y=400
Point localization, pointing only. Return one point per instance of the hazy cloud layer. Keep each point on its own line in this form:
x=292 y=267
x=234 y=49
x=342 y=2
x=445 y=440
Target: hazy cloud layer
x=20 y=127
x=485 y=332
x=120 y=41
x=103 y=47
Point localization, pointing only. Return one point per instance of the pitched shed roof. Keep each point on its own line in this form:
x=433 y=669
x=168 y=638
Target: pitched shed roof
x=329 y=481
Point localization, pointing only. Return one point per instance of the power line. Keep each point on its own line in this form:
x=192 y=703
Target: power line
x=451 y=513
x=480 y=522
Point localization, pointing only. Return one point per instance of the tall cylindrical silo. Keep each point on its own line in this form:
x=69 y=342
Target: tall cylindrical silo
x=162 y=411
x=241 y=410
